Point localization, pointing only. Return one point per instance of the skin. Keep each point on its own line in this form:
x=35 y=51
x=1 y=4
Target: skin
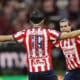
x=65 y=27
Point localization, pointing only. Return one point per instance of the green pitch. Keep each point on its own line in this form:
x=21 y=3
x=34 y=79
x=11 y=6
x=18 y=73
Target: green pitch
x=13 y=78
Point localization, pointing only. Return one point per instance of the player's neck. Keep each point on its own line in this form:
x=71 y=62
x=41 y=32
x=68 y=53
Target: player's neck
x=39 y=25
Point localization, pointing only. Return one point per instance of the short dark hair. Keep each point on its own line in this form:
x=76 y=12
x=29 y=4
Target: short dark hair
x=64 y=20
x=36 y=16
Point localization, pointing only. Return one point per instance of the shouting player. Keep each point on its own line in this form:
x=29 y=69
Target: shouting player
x=37 y=42
x=71 y=51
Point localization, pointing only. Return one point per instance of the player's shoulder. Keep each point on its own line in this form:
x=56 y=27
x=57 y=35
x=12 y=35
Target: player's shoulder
x=24 y=30
x=78 y=36
x=52 y=31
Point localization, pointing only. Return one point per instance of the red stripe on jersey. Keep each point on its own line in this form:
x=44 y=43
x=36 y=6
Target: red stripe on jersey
x=33 y=68
x=43 y=45
x=36 y=45
x=54 y=35
x=62 y=43
x=71 y=42
x=30 y=43
x=39 y=68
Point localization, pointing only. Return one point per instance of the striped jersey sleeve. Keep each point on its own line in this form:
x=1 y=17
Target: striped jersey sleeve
x=56 y=44
x=19 y=36
x=53 y=34
x=78 y=39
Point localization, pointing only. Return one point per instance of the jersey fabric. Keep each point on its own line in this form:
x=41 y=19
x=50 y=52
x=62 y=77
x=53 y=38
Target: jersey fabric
x=71 y=51
x=37 y=42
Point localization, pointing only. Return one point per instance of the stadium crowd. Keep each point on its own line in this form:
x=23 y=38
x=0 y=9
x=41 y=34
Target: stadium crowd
x=14 y=14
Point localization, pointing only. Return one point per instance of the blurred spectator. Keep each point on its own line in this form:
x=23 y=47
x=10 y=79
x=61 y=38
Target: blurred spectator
x=49 y=7
x=13 y=3
x=6 y=18
x=62 y=7
x=10 y=3
x=30 y=2
x=73 y=24
x=74 y=9
x=62 y=4
x=37 y=3
x=21 y=20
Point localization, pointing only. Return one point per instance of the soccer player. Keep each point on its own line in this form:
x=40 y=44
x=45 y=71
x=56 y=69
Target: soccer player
x=71 y=51
x=38 y=43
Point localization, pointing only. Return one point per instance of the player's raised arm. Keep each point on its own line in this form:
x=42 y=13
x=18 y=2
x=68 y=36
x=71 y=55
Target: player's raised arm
x=72 y=34
x=6 y=38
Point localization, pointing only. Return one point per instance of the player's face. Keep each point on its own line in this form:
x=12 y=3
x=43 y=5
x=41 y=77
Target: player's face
x=65 y=27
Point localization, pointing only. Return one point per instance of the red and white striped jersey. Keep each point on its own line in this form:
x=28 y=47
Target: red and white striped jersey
x=37 y=42
x=71 y=51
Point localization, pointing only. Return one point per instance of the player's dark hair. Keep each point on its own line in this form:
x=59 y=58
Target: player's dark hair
x=36 y=16
x=64 y=20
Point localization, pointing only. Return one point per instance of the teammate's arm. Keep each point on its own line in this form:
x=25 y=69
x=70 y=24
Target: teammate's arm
x=72 y=34
x=6 y=38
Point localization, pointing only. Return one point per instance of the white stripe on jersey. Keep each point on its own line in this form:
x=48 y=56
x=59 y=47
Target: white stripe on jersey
x=65 y=42
x=46 y=49
x=19 y=34
x=53 y=32
x=27 y=42
x=68 y=43
x=42 y=68
x=78 y=41
x=20 y=40
x=28 y=50
x=36 y=68
x=46 y=44
x=52 y=38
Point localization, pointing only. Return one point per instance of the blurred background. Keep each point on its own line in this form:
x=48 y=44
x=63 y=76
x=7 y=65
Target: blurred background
x=14 y=16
